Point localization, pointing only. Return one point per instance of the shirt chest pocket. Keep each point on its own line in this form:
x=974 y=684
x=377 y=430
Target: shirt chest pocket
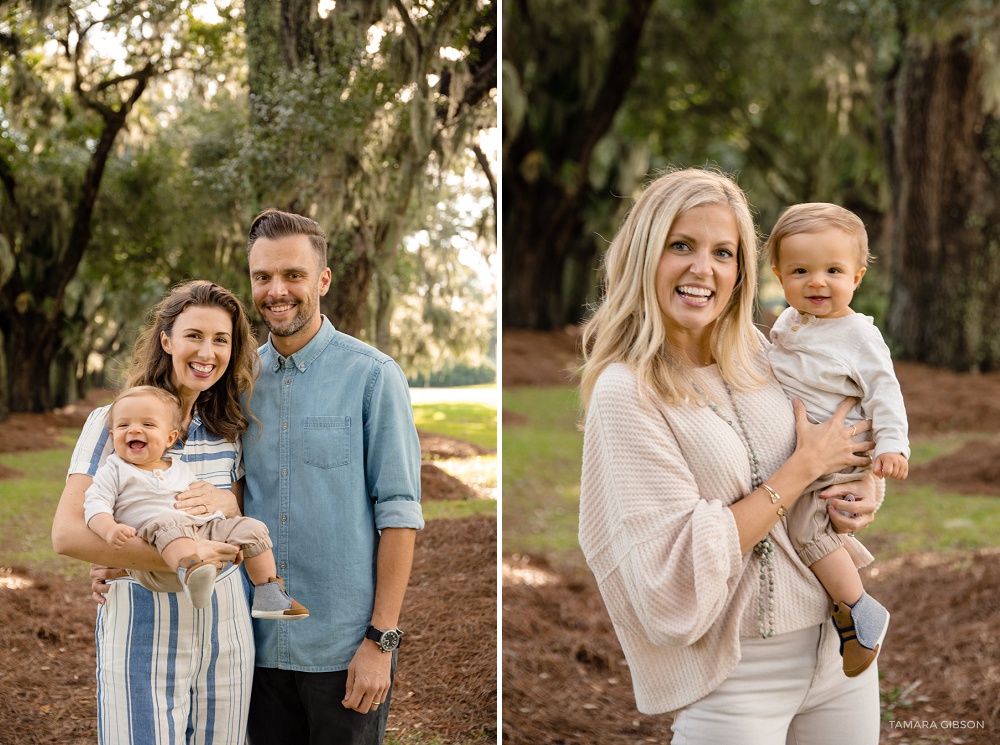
x=327 y=441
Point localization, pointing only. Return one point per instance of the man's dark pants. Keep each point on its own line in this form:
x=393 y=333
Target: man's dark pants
x=287 y=706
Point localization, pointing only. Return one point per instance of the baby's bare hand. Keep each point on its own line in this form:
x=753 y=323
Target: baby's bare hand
x=893 y=465
x=120 y=534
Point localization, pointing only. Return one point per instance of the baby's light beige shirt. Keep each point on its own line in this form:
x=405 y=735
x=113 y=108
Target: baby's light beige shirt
x=824 y=360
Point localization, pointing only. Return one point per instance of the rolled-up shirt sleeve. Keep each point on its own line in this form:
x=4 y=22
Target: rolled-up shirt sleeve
x=666 y=557
x=392 y=451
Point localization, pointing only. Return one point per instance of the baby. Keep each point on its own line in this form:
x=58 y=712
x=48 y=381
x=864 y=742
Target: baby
x=133 y=495
x=822 y=352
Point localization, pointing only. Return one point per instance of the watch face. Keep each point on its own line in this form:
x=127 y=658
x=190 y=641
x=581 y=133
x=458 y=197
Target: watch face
x=390 y=640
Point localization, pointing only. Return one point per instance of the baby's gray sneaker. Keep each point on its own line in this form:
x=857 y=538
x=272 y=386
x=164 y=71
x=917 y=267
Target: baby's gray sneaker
x=272 y=602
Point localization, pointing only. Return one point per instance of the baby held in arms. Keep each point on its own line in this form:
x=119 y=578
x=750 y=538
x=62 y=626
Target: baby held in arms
x=133 y=494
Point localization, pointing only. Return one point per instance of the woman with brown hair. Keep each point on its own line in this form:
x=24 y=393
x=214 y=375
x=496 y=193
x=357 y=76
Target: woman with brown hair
x=164 y=667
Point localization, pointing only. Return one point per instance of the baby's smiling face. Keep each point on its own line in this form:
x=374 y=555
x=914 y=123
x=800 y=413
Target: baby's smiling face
x=142 y=428
x=820 y=271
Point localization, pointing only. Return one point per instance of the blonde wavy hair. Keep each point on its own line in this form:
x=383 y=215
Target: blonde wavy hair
x=628 y=326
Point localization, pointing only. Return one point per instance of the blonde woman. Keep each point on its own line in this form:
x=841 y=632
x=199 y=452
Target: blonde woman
x=692 y=457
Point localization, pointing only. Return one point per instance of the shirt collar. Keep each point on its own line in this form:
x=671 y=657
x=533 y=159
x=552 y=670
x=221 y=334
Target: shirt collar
x=305 y=356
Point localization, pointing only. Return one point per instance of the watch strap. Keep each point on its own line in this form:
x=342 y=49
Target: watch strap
x=376 y=636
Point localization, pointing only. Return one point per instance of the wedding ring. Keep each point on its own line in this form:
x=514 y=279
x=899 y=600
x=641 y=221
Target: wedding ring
x=205 y=506
x=854 y=431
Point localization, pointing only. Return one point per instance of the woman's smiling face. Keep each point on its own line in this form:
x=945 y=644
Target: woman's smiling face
x=696 y=276
x=200 y=345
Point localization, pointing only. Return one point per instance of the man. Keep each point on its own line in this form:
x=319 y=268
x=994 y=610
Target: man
x=333 y=469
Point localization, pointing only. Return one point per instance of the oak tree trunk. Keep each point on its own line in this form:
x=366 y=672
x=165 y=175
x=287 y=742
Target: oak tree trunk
x=946 y=242
x=32 y=300
x=547 y=170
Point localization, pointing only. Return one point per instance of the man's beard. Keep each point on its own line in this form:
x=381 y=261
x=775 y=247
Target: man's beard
x=299 y=322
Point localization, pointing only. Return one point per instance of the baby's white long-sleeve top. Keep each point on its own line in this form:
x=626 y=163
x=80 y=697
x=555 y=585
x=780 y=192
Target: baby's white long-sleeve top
x=134 y=496
x=823 y=360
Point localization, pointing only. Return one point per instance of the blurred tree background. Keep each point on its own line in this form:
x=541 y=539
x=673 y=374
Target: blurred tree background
x=887 y=107
x=139 y=139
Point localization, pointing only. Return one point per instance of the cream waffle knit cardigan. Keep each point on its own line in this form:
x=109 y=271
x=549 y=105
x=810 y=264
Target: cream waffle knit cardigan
x=665 y=551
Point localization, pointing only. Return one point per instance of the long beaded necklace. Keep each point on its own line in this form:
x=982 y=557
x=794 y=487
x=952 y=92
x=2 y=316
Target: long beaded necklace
x=764 y=550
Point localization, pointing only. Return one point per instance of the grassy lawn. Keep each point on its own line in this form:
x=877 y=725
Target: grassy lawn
x=27 y=503
x=472 y=422
x=541 y=490
x=541 y=474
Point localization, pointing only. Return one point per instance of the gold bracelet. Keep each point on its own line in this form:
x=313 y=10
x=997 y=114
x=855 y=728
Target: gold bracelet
x=774 y=495
x=782 y=511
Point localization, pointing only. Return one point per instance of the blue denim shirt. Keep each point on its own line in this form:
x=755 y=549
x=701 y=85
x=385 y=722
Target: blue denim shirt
x=338 y=460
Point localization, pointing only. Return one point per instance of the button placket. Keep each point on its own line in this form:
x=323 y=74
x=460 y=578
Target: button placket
x=284 y=495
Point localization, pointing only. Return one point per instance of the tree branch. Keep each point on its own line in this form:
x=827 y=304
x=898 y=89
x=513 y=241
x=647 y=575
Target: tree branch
x=410 y=29
x=621 y=70
x=143 y=73
x=484 y=163
x=9 y=181
x=484 y=72
x=80 y=232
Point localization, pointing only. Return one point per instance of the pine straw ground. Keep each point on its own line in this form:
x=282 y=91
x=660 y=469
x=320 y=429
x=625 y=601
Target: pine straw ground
x=446 y=684
x=565 y=679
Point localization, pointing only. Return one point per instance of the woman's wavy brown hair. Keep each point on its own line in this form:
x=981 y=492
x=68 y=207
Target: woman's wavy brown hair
x=219 y=406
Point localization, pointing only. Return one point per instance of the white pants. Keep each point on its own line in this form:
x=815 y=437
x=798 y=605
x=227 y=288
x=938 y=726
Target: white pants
x=786 y=690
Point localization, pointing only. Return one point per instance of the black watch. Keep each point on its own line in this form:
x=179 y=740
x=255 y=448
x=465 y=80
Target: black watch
x=387 y=640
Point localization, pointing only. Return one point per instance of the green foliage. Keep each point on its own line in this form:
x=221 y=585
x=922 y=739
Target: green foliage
x=444 y=314
x=872 y=297
x=193 y=166
x=352 y=125
x=289 y=154
x=456 y=375
x=793 y=119
x=75 y=123
x=779 y=92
